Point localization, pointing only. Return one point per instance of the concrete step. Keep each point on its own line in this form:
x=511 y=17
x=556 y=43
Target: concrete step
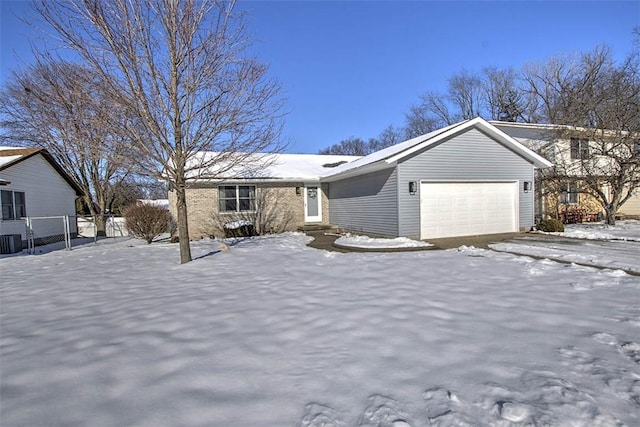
x=319 y=227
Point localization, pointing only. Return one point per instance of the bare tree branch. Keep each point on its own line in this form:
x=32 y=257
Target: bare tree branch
x=65 y=108
x=181 y=67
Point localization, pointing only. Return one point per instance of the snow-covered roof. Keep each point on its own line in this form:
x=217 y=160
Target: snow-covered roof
x=390 y=155
x=540 y=126
x=299 y=167
x=552 y=128
x=12 y=155
x=263 y=166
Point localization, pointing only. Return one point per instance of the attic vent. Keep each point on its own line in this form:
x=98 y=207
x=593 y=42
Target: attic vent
x=333 y=165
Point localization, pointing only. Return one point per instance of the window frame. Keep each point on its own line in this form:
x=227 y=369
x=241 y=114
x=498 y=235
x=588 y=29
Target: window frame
x=579 y=148
x=239 y=200
x=16 y=209
x=569 y=194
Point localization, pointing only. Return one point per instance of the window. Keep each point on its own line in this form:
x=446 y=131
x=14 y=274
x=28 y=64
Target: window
x=569 y=193
x=237 y=198
x=13 y=204
x=579 y=148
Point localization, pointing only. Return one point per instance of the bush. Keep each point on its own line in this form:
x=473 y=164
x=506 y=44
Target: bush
x=240 y=228
x=551 y=226
x=147 y=222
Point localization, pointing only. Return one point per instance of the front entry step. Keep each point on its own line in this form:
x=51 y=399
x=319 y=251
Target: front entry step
x=319 y=227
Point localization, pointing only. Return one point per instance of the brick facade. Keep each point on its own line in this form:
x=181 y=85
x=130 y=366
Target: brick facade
x=279 y=208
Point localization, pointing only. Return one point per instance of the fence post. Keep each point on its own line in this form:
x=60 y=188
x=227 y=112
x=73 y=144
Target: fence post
x=26 y=231
x=67 y=232
x=31 y=247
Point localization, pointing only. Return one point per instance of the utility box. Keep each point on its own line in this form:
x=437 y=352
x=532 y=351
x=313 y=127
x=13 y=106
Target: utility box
x=10 y=243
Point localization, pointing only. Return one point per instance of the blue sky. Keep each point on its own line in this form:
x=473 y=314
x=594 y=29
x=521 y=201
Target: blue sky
x=351 y=68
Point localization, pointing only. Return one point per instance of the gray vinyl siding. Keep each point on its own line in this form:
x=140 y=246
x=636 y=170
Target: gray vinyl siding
x=367 y=203
x=470 y=156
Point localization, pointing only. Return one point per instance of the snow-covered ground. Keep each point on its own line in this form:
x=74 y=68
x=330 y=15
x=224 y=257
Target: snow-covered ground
x=594 y=244
x=274 y=333
x=628 y=230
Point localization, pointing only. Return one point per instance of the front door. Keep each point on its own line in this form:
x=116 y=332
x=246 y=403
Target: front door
x=312 y=204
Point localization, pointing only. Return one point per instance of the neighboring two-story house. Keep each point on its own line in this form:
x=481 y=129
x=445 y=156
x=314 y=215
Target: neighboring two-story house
x=579 y=155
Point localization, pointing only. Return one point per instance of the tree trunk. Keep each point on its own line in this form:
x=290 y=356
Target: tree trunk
x=183 y=228
x=101 y=225
x=610 y=214
x=99 y=218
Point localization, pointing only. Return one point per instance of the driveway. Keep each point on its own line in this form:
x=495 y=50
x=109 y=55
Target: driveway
x=614 y=254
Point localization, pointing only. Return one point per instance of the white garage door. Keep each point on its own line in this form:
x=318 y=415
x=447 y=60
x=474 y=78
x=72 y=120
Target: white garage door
x=449 y=209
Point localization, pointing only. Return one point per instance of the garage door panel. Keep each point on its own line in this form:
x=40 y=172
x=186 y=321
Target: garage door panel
x=462 y=209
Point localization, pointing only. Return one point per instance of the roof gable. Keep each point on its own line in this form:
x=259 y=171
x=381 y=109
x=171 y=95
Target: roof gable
x=391 y=155
x=10 y=156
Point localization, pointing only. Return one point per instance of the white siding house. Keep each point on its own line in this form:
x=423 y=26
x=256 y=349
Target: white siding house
x=32 y=184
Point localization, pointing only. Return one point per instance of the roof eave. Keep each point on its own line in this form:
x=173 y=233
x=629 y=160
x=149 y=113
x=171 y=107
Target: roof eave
x=368 y=168
x=428 y=142
x=255 y=179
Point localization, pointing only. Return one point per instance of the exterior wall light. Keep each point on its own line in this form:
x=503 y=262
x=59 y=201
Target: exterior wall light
x=413 y=187
x=527 y=186
x=298 y=191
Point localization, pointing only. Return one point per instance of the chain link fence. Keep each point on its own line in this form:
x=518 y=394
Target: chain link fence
x=30 y=232
x=46 y=230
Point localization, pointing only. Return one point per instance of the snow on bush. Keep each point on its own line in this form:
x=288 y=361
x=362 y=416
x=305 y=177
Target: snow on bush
x=234 y=225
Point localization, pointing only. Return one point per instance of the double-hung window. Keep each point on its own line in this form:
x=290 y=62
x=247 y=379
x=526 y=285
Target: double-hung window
x=568 y=193
x=579 y=148
x=13 y=204
x=237 y=198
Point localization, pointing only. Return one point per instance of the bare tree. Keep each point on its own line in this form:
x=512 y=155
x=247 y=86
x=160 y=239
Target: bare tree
x=462 y=101
x=391 y=135
x=354 y=146
x=563 y=82
x=181 y=67
x=419 y=120
x=465 y=94
x=351 y=147
x=433 y=112
x=596 y=104
x=65 y=108
x=504 y=98
x=125 y=193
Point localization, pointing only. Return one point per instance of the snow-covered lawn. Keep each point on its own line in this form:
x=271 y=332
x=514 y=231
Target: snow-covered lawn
x=274 y=333
x=594 y=244
x=628 y=230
